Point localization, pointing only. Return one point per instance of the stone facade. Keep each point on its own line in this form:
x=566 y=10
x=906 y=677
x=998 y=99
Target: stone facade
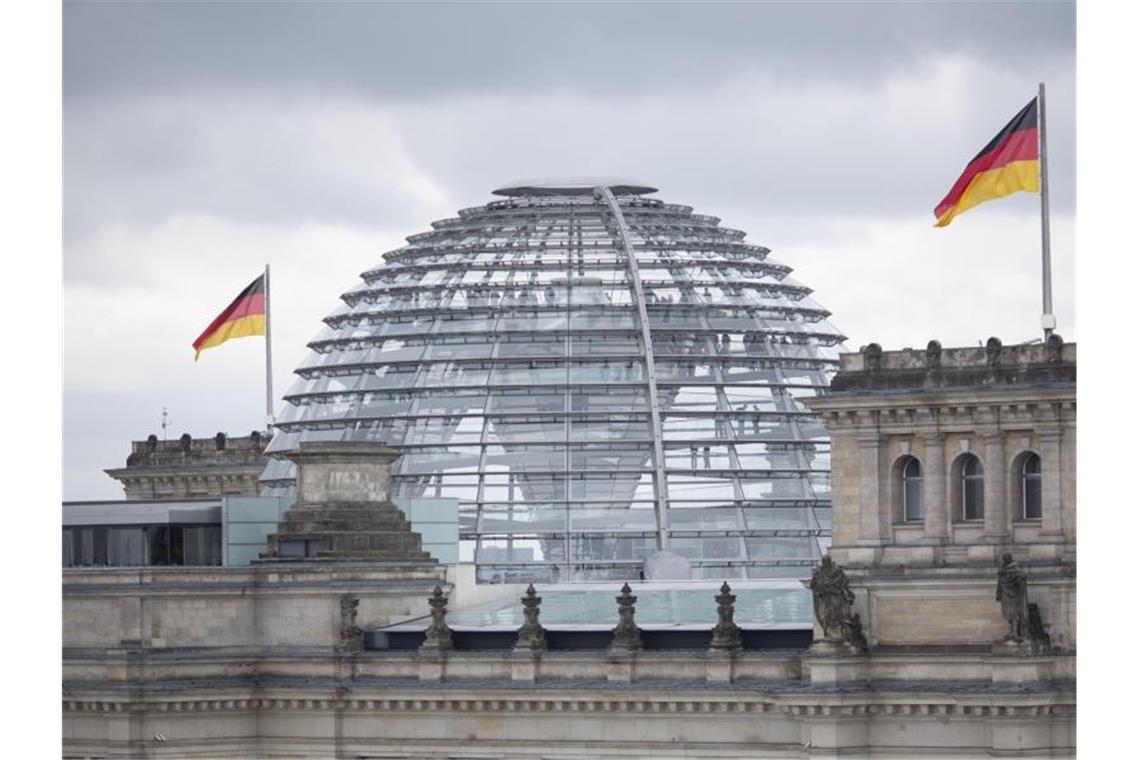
x=269 y=661
x=193 y=467
x=931 y=580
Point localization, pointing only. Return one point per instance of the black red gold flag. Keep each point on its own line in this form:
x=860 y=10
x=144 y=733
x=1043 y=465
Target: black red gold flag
x=1008 y=163
x=244 y=316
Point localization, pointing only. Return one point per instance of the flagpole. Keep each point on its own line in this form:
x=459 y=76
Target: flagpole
x=1048 y=321
x=268 y=359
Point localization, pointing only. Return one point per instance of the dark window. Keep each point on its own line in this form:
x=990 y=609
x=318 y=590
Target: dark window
x=158 y=537
x=127 y=546
x=973 y=488
x=914 y=510
x=1031 y=487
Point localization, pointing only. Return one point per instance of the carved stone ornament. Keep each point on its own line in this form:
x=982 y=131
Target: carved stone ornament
x=532 y=635
x=993 y=351
x=1056 y=348
x=832 y=599
x=351 y=636
x=1013 y=593
x=933 y=355
x=873 y=357
x=626 y=636
x=726 y=634
x=438 y=635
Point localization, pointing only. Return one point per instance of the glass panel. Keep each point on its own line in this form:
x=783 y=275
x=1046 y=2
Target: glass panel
x=912 y=499
x=1032 y=497
x=203 y=545
x=973 y=497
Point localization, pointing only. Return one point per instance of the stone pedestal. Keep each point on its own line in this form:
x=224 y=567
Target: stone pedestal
x=343 y=509
x=524 y=666
x=832 y=669
x=719 y=666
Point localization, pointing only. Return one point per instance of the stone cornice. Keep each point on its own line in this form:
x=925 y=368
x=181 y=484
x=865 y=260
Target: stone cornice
x=938 y=700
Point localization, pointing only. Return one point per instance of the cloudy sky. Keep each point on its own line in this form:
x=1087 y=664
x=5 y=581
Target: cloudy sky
x=204 y=140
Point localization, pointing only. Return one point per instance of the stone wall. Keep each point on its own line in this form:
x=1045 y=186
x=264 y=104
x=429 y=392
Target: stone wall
x=286 y=702
x=252 y=606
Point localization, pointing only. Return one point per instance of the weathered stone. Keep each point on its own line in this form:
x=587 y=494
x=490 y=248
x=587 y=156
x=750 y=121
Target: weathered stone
x=351 y=636
x=726 y=633
x=343 y=511
x=626 y=636
x=1013 y=593
x=531 y=634
x=192 y=467
x=832 y=598
x=437 y=636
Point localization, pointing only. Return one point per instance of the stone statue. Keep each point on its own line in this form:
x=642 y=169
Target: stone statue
x=872 y=357
x=351 y=636
x=438 y=635
x=831 y=598
x=1038 y=635
x=626 y=635
x=531 y=635
x=1013 y=593
x=726 y=634
x=1056 y=348
x=993 y=351
x=933 y=354
x=853 y=633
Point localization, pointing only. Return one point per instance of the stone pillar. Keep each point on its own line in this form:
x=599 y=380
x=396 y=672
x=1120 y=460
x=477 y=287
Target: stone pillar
x=870 y=504
x=995 y=501
x=937 y=526
x=1051 y=468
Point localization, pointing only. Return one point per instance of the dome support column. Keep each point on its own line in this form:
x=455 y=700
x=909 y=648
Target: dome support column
x=660 y=486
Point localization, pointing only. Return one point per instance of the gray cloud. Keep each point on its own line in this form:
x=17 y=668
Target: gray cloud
x=204 y=139
x=423 y=50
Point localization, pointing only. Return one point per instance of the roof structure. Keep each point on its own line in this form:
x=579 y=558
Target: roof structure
x=595 y=375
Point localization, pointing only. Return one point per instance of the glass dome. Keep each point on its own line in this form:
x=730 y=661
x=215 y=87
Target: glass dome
x=594 y=375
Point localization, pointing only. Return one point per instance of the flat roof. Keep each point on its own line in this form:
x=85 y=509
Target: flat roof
x=573 y=186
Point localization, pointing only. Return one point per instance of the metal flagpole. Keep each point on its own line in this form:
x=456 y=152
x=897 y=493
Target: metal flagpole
x=268 y=359
x=1048 y=321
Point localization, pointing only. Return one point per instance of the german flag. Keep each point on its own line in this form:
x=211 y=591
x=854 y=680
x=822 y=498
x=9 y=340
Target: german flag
x=245 y=316
x=1007 y=164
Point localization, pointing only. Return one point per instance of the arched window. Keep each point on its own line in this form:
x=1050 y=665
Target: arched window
x=1031 y=487
x=913 y=508
x=972 y=479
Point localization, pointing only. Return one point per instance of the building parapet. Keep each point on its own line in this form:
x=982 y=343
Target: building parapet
x=935 y=368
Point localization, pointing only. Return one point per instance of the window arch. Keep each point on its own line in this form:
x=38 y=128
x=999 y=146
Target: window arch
x=970 y=482
x=912 y=505
x=1029 y=485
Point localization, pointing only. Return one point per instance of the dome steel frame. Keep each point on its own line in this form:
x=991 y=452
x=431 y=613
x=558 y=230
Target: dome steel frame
x=594 y=376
